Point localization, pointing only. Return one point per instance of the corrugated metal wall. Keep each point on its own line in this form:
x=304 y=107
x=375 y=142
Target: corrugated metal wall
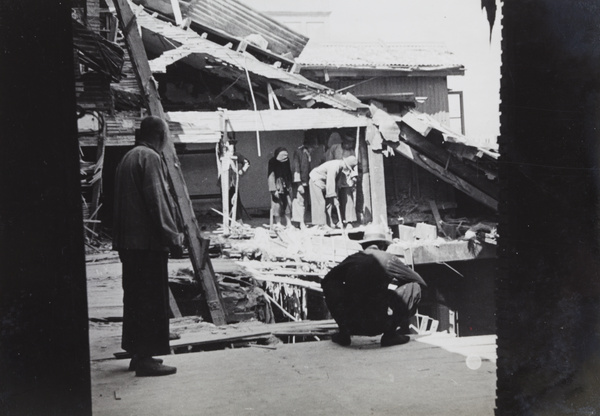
x=434 y=88
x=200 y=171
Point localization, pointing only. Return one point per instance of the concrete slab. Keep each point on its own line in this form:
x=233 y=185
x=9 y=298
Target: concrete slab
x=313 y=378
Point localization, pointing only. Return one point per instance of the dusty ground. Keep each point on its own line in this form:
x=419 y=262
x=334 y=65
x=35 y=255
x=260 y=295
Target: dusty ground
x=314 y=378
x=428 y=376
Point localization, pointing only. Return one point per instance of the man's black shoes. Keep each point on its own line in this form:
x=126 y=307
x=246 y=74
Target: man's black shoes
x=388 y=340
x=341 y=339
x=148 y=367
x=134 y=361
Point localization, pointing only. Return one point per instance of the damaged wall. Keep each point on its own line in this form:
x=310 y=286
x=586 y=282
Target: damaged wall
x=200 y=170
x=434 y=88
x=253 y=185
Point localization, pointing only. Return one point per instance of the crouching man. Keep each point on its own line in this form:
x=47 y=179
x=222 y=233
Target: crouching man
x=357 y=294
x=144 y=229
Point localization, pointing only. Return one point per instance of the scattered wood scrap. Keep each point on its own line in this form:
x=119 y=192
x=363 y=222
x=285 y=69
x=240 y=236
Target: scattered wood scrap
x=262 y=336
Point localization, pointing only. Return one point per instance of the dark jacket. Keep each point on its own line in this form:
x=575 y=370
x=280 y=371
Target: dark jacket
x=356 y=290
x=304 y=161
x=144 y=211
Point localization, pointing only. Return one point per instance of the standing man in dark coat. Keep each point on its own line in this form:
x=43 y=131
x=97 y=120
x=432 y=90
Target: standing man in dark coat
x=144 y=229
x=358 y=296
x=306 y=157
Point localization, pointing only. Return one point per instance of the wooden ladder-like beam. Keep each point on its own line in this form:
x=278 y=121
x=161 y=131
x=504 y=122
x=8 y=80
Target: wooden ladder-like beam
x=197 y=245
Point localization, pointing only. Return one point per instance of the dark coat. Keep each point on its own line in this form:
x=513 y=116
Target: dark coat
x=357 y=295
x=144 y=211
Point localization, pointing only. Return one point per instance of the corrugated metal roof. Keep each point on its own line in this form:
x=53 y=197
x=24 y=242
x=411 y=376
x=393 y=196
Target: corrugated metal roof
x=175 y=43
x=237 y=19
x=379 y=55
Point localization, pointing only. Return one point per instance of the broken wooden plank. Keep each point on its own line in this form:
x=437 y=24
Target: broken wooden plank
x=97 y=187
x=173 y=305
x=148 y=85
x=438 y=218
x=176 y=12
x=281 y=308
x=438 y=252
x=207 y=340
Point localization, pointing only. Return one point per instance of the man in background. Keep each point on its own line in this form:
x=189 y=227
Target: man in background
x=144 y=229
x=324 y=185
x=306 y=158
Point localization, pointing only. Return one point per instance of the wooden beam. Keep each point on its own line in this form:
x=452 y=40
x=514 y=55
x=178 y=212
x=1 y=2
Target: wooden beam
x=225 y=158
x=377 y=180
x=447 y=176
x=273 y=120
x=437 y=216
x=176 y=12
x=147 y=84
x=450 y=165
x=97 y=190
x=173 y=305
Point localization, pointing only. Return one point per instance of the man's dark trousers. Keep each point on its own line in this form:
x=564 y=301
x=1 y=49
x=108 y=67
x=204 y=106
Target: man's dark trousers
x=145 y=302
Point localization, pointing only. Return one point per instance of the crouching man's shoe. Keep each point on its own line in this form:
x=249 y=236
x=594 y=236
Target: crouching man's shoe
x=341 y=338
x=134 y=361
x=388 y=340
x=147 y=367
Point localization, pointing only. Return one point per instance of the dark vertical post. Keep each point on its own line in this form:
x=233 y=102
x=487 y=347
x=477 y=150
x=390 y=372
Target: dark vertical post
x=548 y=291
x=44 y=347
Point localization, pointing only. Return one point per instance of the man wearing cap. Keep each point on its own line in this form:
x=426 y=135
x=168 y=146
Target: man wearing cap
x=323 y=185
x=357 y=294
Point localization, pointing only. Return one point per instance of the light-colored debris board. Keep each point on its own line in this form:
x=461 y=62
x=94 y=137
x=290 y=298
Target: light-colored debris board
x=273 y=120
x=439 y=250
x=209 y=339
x=266 y=277
x=303 y=328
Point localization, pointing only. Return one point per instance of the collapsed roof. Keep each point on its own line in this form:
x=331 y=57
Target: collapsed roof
x=173 y=44
x=235 y=21
x=413 y=135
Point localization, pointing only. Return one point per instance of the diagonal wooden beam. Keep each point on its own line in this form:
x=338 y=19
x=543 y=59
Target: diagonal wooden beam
x=197 y=244
x=439 y=169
